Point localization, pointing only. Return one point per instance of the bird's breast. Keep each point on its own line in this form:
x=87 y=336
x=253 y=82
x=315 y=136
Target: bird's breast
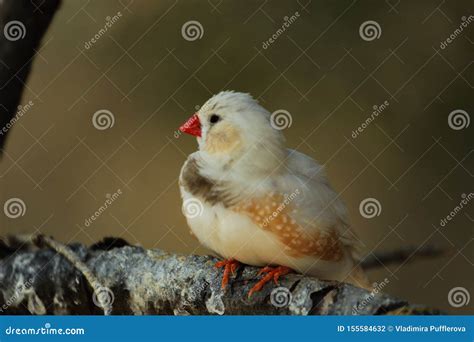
x=208 y=190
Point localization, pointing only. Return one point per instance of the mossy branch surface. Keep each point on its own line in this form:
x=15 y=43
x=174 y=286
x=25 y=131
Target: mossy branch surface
x=138 y=281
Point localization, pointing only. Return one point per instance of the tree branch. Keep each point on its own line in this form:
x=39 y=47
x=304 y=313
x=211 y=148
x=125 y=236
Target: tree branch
x=23 y=24
x=139 y=281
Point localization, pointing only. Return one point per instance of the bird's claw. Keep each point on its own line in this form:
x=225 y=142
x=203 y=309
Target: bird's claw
x=230 y=266
x=271 y=273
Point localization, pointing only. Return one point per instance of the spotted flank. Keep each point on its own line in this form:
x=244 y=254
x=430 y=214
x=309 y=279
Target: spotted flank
x=274 y=214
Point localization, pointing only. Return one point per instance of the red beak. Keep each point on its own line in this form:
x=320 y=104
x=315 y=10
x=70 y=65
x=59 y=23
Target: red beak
x=192 y=126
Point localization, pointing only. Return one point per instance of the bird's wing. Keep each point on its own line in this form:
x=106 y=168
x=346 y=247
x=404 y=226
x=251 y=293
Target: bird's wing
x=321 y=206
x=304 y=212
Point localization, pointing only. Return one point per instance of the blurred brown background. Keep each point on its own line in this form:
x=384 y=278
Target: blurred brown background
x=320 y=70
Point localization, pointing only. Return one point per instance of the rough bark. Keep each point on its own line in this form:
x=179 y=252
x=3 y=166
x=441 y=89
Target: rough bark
x=23 y=24
x=133 y=280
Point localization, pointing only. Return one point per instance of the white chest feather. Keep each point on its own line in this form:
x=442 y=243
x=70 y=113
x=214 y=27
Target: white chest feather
x=230 y=234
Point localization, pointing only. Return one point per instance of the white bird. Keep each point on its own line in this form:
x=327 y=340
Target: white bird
x=260 y=203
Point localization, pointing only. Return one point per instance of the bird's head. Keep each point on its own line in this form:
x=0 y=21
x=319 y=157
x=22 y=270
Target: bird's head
x=232 y=127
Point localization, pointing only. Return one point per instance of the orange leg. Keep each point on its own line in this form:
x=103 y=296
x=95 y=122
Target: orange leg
x=230 y=266
x=271 y=273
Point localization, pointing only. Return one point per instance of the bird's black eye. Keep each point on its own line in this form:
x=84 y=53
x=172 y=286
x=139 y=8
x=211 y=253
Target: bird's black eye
x=214 y=118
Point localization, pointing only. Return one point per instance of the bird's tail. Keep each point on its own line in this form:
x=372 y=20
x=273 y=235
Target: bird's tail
x=401 y=256
x=358 y=278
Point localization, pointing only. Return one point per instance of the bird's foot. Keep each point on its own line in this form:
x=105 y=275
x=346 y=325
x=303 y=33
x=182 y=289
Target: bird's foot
x=230 y=266
x=271 y=273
